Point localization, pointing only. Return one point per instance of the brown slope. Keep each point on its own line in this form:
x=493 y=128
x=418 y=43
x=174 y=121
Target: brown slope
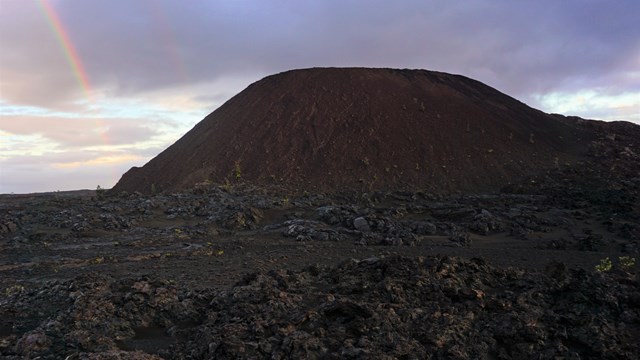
x=336 y=128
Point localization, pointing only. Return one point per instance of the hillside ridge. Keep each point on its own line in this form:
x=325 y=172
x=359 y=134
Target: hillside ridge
x=367 y=129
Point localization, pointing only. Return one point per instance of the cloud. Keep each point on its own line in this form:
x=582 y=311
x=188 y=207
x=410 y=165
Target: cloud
x=79 y=132
x=157 y=67
x=149 y=45
x=44 y=153
x=69 y=170
x=596 y=103
x=102 y=160
x=31 y=178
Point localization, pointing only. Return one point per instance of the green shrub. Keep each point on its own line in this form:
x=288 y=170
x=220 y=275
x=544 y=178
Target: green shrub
x=605 y=265
x=237 y=171
x=627 y=262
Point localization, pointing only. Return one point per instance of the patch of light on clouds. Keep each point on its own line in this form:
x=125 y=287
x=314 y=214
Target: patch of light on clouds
x=32 y=144
x=23 y=110
x=101 y=160
x=175 y=111
x=168 y=123
x=107 y=110
x=592 y=104
x=38 y=161
x=34 y=162
x=158 y=142
x=137 y=109
x=32 y=176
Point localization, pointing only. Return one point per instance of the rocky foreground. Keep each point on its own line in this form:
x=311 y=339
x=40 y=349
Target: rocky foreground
x=544 y=270
x=395 y=307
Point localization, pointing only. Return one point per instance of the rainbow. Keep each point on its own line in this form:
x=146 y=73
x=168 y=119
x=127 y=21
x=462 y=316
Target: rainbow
x=75 y=63
x=67 y=46
x=166 y=33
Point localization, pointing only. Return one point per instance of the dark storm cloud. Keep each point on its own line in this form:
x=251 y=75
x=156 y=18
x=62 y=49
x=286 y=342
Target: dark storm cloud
x=519 y=47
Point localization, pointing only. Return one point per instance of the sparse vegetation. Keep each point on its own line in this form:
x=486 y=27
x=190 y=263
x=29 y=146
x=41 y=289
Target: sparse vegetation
x=605 y=265
x=237 y=171
x=15 y=289
x=226 y=186
x=180 y=234
x=205 y=183
x=100 y=192
x=627 y=262
x=373 y=182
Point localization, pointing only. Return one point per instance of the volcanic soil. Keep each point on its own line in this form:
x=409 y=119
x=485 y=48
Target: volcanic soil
x=324 y=129
x=247 y=272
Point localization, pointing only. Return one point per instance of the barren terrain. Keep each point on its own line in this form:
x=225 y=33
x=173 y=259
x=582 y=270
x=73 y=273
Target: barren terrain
x=328 y=129
x=239 y=271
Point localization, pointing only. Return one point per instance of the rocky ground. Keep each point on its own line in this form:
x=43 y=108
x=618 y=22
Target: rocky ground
x=543 y=270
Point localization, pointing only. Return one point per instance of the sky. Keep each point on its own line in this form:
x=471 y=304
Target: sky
x=90 y=88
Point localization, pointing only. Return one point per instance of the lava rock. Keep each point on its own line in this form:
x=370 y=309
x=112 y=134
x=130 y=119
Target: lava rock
x=361 y=224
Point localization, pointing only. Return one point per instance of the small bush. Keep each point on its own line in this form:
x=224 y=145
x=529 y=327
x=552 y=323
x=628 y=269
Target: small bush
x=237 y=171
x=605 y=265
x=627 y=262
x=100 y=192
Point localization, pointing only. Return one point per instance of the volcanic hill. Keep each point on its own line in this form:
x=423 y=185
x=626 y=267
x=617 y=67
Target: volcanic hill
x=368 y=129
